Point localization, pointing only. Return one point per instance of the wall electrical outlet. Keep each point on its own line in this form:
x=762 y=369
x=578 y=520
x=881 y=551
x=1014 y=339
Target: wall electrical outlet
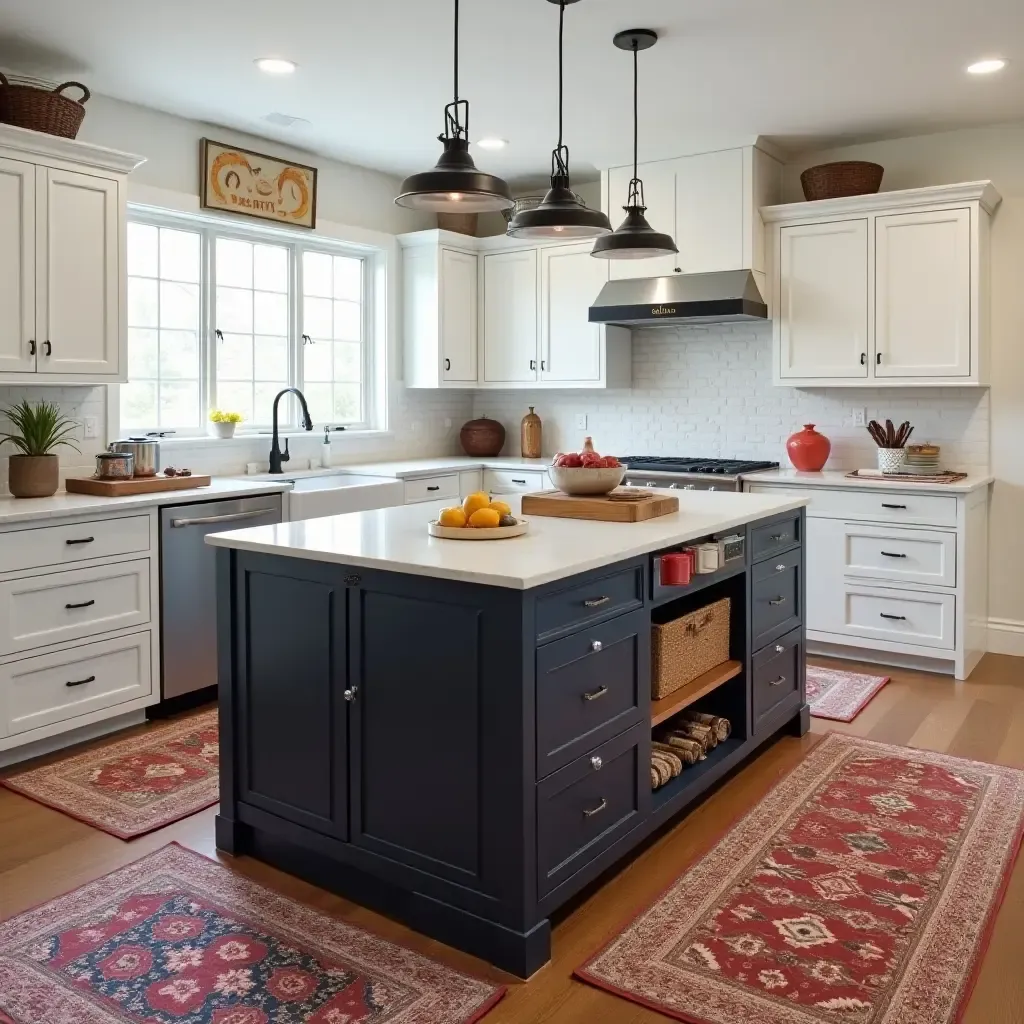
x=860 y=417
x=581 y=421
x=90 y=427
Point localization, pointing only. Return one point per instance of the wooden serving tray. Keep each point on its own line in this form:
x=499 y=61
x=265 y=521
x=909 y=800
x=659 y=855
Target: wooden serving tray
x=137 y=485
x=599 y=508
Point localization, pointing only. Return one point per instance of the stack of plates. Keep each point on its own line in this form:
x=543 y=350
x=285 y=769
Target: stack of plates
x=922 y=460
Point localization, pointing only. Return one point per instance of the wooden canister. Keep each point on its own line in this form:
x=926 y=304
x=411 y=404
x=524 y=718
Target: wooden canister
x=530 y=435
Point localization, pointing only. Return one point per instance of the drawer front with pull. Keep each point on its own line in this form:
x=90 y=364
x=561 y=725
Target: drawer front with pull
x=903 y=555
x=53 y=688
x=58 y=545
x=71 y=605
x=900 y=616
x=776 y=674
x=432 y=488
x=885 y=504
x=509 y=481
x=584 y=604
x=587 y=805
x=768 y=540
x=776 y=598
x=591 y=686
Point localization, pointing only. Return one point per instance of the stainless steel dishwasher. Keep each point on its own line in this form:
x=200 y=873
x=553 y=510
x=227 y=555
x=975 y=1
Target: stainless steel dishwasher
x=188 y=586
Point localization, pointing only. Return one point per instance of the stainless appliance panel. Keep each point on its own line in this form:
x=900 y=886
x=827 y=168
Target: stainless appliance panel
x=188 y=591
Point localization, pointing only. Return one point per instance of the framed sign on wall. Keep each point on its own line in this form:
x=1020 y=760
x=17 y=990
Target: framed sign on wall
x=242 y=181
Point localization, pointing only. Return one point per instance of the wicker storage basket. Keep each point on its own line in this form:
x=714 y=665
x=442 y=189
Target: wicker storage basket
x=42 y=110
x=688 y=647
x=844 y=178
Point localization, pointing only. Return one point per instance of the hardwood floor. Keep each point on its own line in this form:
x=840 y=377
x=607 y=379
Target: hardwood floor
x=44 y=853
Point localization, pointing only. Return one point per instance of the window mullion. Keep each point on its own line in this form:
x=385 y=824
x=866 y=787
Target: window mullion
x=210 y=321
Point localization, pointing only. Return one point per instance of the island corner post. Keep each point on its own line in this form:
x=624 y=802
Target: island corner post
x=419 y=746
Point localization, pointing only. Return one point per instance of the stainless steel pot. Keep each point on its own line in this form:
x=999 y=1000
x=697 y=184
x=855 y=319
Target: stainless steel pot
x=145 y=450
x=115 y=465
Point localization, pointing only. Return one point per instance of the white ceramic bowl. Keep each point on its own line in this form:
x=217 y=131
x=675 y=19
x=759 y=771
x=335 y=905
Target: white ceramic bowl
x=586 y=481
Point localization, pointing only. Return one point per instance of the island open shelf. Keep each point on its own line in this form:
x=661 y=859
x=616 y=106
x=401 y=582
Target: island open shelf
x=663 y=709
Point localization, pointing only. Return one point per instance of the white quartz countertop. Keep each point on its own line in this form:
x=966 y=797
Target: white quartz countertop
x=396 y=539
x=62 y=505
x=409 y=468
x=838 y=478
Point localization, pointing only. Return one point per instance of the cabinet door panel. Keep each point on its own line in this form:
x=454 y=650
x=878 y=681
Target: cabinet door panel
x=17 y=266
x=458 y=316
x=659 y=180
x=822 y=305
x=78 y=284
x=709 y=203
x=570 y=282
x=510 y=320
x=923 y=294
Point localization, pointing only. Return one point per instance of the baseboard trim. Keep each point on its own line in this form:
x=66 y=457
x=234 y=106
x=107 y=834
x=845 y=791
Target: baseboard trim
x=1006 y=636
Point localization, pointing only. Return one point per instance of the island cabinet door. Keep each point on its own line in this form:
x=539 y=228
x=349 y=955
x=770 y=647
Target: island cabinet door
x=293 y=660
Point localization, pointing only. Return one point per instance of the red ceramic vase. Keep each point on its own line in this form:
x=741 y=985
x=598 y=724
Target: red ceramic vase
x=808 y=450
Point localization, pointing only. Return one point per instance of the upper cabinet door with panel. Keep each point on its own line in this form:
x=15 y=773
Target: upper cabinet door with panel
x=17 y=266
x=78 y=283
x=923 y=317
x=510 y=316
x=710 y=202
x=821 y=300
x=571 y=346
x=659 y=180
x=459 y=316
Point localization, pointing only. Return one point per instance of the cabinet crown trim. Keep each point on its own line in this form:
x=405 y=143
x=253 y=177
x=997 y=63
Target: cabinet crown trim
x=983 y=192
x=45 y=147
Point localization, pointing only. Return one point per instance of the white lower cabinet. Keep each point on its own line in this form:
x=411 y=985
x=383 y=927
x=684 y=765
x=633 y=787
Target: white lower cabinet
x=432 y=488
x=514 y=481
x=915 y=617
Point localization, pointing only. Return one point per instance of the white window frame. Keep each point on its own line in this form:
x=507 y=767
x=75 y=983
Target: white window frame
x=373 y=343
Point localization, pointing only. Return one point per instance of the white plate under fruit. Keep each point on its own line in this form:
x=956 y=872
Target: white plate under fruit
x=435 y=529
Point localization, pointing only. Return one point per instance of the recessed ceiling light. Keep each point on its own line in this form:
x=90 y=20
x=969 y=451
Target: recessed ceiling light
x=275 y=65
x=492 y=143
x=986 y=67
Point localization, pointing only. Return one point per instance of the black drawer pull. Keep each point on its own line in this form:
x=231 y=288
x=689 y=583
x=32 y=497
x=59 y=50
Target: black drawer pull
x=776 y=537
x=892 y=554
x=897 y=618
x=81 y=604
x=81 y=682
x=596 y=694
x=885 y=505
x=434 y=488
x=518 y=481
x=596 y=810
x=595 y=602
x=80 y=540
x=777 y=601
x=777 y=682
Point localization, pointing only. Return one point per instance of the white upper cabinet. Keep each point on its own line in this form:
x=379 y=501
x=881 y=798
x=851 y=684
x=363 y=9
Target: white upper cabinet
x=883 y=290
x=62 y=260
x=510 y=316
x=459 y=315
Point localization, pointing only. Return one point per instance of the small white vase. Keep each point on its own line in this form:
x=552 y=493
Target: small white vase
x=223 y=430
x=890 y=460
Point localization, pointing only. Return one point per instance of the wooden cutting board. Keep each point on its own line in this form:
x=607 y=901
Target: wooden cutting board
x=137 y=485
x=598 y=508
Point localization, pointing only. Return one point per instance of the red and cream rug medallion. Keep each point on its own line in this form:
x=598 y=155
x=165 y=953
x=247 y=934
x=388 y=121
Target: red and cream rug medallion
x=133 y=786
x=839 y=695
x=176 y=938
x=861 y=890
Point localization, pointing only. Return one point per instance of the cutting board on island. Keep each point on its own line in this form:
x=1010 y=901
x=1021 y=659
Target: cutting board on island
x=605 y=508
x=137 y=485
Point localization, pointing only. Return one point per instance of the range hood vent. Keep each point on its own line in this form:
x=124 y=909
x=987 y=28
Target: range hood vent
x=722 y=297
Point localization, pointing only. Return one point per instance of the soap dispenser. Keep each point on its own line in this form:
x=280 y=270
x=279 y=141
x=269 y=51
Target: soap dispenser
x=325 y=449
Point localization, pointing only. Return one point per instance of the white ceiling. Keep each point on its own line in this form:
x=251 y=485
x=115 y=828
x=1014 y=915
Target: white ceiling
x=374 y=76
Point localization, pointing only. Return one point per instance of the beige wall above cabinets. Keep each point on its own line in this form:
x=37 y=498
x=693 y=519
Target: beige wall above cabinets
x=62 y=260
x=883 y=290
x=495 y=313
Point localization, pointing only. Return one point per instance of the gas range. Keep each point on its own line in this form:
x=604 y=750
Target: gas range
x=691 y=474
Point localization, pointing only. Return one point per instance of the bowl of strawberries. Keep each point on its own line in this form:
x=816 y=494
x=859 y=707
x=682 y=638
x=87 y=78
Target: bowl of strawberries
x=586 y=471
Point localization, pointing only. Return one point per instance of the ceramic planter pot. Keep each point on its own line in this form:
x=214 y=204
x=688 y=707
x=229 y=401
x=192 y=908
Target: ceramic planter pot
x=223 y=430
x=33 y=476
x=808 y=450
x=890 y=460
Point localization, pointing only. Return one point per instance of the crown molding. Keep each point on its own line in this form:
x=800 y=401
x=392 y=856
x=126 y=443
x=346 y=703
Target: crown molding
x=53 y=147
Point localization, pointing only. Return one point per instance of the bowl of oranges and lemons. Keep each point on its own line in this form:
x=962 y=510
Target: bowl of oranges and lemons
x=477 y=518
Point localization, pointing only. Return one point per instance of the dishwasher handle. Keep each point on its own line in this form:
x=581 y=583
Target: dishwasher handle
x=232 y=517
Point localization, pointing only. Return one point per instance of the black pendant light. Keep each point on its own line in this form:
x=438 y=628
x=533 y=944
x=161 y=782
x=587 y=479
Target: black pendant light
x=634 y=238
x=455 y=185
x=561 y=214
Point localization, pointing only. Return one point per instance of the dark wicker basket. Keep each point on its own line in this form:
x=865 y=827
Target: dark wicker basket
x=845 y=178
x=25 y=106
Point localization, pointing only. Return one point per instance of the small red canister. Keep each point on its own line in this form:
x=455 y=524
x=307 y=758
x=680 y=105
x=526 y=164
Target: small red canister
x=677 y=569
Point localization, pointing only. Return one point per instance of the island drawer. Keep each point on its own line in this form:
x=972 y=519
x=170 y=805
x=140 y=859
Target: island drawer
x=584 y=604
x=586 y=806
x=59 y=545
x=770 y=539
x=590 y=686
x=776 y=672
x=776 y=598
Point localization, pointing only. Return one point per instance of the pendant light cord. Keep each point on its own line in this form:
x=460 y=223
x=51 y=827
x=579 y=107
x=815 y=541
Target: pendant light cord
x=456 y=51
x=560 y=156
x=455 y=126
x=636 y=186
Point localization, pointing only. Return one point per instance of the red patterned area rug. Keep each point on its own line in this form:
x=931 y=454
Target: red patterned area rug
x=176 y=938
x=839 y=695
x=133 y=786
x=861 y=889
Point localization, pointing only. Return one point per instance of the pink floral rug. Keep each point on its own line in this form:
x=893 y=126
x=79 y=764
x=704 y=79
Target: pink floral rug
x=839 y=695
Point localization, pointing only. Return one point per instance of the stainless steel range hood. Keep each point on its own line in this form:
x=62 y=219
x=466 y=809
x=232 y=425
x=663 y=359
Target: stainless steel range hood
x=721 y=297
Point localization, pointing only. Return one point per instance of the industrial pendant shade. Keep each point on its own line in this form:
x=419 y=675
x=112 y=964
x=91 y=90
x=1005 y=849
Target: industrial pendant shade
x=634 y=238
x=455 y=185
x=561 y=214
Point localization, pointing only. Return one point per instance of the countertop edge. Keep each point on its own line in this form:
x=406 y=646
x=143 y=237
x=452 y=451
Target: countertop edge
x=838 y=480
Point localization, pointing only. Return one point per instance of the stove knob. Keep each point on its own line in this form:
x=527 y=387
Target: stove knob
x=650 y=483
x=712 y=488
x=690 y=487
x=673 y=487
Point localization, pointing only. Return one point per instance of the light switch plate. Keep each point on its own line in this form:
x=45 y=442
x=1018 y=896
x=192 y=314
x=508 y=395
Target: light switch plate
x=581 y=421
x=860 y=417
x=89 y=426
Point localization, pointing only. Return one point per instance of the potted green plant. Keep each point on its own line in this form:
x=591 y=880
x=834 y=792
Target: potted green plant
x=223 y=423
x=40 y=427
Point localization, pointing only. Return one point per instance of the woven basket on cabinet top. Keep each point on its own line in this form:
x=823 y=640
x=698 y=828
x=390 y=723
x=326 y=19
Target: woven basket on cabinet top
x=844 y=178
x=42 y=110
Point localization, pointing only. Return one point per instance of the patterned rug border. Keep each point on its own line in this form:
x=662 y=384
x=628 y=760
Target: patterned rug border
x=111 y=748
x=87 y=893
x=872 y=694
x=818 y=750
